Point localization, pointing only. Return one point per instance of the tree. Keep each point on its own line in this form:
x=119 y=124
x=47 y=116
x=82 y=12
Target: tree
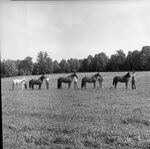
x=90 y=63
x=74 y=65
x=116 y=61
x=100 y=61
x=144 y=58
x=10 y=68
x=25 y=66
x=64 y=66
x=84 y=65
x=133 y=61
x=3 y=71
x=44 y=63
x=56 y=67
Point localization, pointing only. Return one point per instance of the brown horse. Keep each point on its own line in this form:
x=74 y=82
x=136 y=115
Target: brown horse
x=38 y=82
x=67 y=79
x=122 y=79
x=92 y=79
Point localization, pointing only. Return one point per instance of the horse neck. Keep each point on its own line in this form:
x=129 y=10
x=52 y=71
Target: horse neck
x=127 y=75
x=41 y=79
x=95 y=76
x=71 y=76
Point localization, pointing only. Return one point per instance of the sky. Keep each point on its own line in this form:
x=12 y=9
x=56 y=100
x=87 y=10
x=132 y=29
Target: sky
x=72 y=29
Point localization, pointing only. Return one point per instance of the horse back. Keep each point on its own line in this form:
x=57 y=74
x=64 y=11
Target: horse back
x=65 y=79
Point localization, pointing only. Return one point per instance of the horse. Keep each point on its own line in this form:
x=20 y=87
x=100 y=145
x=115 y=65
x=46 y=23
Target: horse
x=67 y=79
x=38 y=82
x=122 y=79
x=22 y=81
x=92 y=79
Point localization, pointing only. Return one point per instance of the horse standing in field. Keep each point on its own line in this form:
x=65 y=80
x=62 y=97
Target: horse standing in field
x=38 y=82
x=22 y=81
x=92 y=79
x=122 y=79
x=67 y=79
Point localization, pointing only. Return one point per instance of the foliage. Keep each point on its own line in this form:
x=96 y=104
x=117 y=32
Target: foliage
x=135 y=60
x=44 y=63
x=8 y=68
x=25 y=66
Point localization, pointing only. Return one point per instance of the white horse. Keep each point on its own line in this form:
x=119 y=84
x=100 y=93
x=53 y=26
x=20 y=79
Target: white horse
x=22 y=82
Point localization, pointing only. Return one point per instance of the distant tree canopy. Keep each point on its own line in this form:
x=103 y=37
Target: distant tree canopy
x=135 y=60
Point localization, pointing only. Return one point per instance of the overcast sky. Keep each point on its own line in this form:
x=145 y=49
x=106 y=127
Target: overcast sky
x=72 y=29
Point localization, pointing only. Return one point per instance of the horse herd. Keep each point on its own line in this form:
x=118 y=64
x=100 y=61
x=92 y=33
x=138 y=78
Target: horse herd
x=69 y=79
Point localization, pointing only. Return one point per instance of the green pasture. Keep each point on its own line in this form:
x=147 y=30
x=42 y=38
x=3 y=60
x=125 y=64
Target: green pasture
x=106 y=118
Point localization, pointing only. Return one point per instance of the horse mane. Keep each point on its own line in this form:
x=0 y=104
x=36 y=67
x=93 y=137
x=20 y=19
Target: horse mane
x=95 y=74
x=71 y=75
x=41 y=77
x=127 y=74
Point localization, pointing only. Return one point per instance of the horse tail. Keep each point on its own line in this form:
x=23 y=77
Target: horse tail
x=83 y=83
x=58 y=83
x=114 y=80
x=30 y=84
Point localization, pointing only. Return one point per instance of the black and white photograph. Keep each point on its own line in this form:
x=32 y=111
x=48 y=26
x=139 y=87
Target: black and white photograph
x=75 y=74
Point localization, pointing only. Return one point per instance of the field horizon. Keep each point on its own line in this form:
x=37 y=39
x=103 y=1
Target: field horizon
x=100 y=118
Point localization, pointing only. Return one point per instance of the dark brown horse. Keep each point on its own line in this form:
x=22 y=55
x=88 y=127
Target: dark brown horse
x=67 y=79
x=92 y=79
x=38 y=82
x=121 y=79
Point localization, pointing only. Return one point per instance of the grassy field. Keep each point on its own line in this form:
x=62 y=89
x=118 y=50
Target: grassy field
x=105 y=118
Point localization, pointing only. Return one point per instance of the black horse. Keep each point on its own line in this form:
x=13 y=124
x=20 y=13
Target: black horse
x=67 y=79
x=92 y=79
x=122 y=79
x=38 y=82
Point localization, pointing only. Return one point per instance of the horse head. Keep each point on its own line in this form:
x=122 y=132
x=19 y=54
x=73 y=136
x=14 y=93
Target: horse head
x=128 y=75
x=97 y=75
x=74 y=75
x=42 y=77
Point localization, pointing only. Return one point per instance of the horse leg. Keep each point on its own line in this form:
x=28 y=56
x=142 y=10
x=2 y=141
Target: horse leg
x=69 y=84
x=126 y=85
x=116 y=84
x=94 y=84
x=101 y=84
x=58 y=84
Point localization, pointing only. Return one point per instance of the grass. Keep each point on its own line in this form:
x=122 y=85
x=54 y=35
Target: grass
x=105 y=118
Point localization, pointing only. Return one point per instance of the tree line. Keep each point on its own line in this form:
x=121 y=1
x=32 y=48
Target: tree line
x=135 y=60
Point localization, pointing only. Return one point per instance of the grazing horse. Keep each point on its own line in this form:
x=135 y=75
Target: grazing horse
x=22 y=81
x=92 y=79
x=122 y=79
x=67 y=79
x=38 y=82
